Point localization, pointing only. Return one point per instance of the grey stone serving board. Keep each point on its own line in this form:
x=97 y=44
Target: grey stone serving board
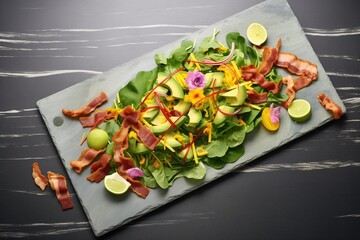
x=106 y=211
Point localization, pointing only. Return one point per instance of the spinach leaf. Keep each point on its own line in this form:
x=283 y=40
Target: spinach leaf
x=217 y=148
x=197 y=172
x=135 y=90
x=235 y=136
x=159 y=175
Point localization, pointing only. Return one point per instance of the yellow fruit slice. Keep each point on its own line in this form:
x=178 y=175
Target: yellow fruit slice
x=266 y=120
x=256 y=34
x=116 y=184
x=299 y=110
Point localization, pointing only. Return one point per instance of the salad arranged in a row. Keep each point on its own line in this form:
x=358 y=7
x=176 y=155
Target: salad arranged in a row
x=193 y=109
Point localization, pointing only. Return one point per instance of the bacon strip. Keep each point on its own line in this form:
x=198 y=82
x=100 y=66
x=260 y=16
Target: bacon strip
x=249 y=73
x=120 y=138
x=307 y=71
x=58 y=184
x=330 y=105
x=100 y=169
x=256 y=97
x=289 y=91
x=86 y=157
x=98 y=116
x=40 y=180
x=88 y=108
x=269 y=57
x=137 y=187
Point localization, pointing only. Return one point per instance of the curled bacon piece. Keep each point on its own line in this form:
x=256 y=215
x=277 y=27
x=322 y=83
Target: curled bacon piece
x=88 y=108
x=249 y=73
x=306 y=70
x=330 y=105
x=100 y=169
x=58 y=184
x=137 y=187
x=40 y=180
x=98 y=116
x=86 y=157
x=288 y=80
x=269 y=57
x=256 y=97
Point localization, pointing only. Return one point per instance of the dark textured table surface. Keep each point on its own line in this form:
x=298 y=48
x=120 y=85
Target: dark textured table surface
x=307 y=189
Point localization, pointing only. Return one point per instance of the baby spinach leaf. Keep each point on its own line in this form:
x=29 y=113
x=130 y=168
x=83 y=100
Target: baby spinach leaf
x=159 y=175
x=235 y=136
x=217 y=148
x=134 y=91
x=197 y=172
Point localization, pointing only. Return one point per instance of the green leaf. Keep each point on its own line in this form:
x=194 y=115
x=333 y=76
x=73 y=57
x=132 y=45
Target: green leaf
x=160 y=59
x=159 y=175
x=135 y=90
x=235 y=136
x=217 y=148
x=197 y=172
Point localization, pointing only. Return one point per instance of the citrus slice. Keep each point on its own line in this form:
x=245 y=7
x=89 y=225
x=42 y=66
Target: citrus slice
x=116 y=184
x=256 y=34
x=266 y=120
x=97 y=139
x=299 y=110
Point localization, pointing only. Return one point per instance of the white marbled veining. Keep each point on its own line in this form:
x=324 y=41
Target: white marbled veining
x=339 y=32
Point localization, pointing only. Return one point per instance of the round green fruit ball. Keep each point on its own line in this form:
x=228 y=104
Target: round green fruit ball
x=97 y=139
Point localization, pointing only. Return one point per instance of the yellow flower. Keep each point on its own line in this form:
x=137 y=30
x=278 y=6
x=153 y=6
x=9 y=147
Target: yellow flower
x=196 y=97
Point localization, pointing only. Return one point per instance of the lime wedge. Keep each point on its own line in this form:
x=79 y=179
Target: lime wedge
x=299 y=110
x=116 y=184
x=256 y=34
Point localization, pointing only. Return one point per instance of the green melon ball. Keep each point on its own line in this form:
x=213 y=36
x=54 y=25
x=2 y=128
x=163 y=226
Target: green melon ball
x=97 y=139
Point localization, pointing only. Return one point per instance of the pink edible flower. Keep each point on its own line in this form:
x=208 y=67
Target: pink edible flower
x=195 y=80
x=274 y=113
x=135 y=172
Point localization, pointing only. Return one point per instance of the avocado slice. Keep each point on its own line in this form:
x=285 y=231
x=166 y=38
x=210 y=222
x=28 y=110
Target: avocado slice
x=214 y=76
x=171 y=141
x=195 y=117
x=220 y=117
x=189 y=156
x=159 y=129
x=140 y=148
x=236 y=96
x=182 y=106
x=174 y=87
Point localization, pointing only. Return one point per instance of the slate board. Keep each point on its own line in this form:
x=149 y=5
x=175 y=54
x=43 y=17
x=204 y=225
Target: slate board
x=106 y=211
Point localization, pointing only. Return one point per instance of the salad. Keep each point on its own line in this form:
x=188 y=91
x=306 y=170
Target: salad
x=193 y=109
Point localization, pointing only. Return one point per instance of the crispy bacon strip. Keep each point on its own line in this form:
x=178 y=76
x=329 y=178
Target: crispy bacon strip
x=256 y=97
x=98 y=116
x=58 y=184
x=120 y=138
x=330 y=105
x=86 y=157
x=88 y=108
x=40 y=180
x=297 y=66
x=137 y=187
x=288 y=80
x=269 y=57
x=249 y=73
x=306 y=70
x=100 y=169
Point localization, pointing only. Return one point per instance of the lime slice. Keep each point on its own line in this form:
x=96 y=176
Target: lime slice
x=116 y=184
x=299 y=110
x=256 y=33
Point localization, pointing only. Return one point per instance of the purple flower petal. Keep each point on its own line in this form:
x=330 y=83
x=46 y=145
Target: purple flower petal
x=274 y=113
x=135 y=172
x=195 y=80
